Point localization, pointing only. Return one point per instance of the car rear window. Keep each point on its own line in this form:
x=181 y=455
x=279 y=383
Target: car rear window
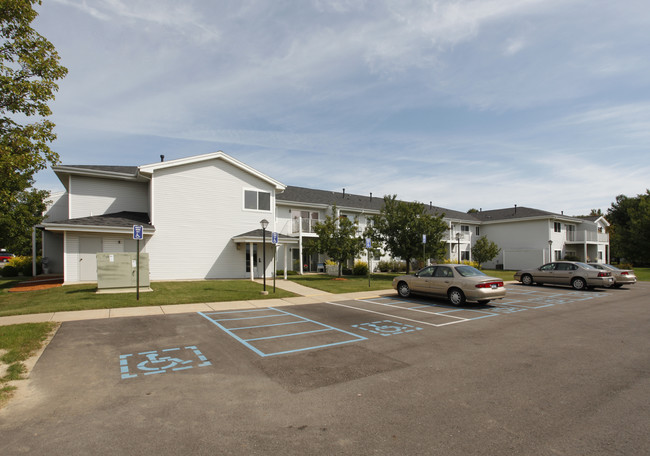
x=469 y=271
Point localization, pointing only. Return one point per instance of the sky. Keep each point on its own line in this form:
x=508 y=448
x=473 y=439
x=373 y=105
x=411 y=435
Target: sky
x=468 y=104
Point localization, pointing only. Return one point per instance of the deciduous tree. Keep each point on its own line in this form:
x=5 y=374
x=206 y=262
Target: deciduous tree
x=630 y=228
x=337 y=238
x=29 y=69
x=484 y=250
x=400 y=226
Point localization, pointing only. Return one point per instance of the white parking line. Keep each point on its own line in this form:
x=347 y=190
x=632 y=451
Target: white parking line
x=411 y=309
x=403 y=318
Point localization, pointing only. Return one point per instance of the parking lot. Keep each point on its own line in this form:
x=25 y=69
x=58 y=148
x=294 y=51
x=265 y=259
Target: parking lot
x=547 y=370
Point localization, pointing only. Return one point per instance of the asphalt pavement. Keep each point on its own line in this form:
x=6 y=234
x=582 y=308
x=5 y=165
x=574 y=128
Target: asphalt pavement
x=547 y=371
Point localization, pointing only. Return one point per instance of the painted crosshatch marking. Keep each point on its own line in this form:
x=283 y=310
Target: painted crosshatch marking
x=158 y=362
x=387 y=327
x=271 y=331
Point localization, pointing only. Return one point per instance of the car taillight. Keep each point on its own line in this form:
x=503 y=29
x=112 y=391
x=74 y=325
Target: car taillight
x=489 y=284
x=604 y=274
x=624 y=273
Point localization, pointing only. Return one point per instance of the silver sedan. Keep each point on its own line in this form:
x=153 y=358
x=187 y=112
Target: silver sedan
x=579 y=275
x=621 y=276
x=456 y=282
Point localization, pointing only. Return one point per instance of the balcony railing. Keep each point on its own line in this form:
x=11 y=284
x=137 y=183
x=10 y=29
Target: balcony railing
x=465 y=236
x=586 y=236
x=305 y=225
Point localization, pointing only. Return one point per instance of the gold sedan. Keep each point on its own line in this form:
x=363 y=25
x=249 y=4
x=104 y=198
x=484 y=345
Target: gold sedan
x=456 y=282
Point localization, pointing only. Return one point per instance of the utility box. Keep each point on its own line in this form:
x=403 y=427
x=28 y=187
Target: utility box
x=118 y=270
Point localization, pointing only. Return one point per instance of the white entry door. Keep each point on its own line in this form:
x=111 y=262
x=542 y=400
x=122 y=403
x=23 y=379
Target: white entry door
x=88 y=248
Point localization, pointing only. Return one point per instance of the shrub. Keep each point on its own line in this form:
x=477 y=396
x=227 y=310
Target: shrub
x=8 y=271
x=280 y=273
x=384 y=266
x=571 y=257
x=465 y=262
x=330 y=263
x=23 y=265
x=346 y=271
x=360 y=268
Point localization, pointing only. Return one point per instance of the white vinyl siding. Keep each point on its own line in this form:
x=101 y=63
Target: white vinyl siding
x=198 y=209
x=93 y=196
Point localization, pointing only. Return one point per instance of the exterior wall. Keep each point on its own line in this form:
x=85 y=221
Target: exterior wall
x=57 y=207
x=197 y=209
x=53 y=251
x=521 y=236
x=95 y=196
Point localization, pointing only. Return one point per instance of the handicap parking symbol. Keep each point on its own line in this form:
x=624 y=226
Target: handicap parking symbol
x=159 y=362
x=387 y=327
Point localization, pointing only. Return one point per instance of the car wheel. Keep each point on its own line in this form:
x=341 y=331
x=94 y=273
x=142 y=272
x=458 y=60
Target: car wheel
x=527 y=279
x=456 y=297
x=403 y=290
x=483 y=301
x=579 y=284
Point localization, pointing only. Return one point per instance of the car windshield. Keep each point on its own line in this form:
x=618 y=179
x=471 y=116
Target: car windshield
x=585 y=265
x=469 y=271
x=613 y=268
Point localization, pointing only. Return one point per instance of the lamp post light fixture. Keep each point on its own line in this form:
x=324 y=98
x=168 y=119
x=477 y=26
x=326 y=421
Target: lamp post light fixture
x=458 y=236
x=550 y=255
x=264 y=224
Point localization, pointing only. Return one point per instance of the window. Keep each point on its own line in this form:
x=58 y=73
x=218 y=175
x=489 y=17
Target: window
x=478 y=231
x=464 y=255
x=257 y=201
x=557 y=227
x=464 y=228
x=558 y=255
x=600 y=256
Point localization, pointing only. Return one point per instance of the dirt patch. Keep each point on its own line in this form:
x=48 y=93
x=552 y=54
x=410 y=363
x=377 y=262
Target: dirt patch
x=341 y=279
x=38 y=283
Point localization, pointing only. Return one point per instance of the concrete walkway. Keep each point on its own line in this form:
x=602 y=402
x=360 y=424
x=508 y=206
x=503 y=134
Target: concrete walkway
x=306 y=296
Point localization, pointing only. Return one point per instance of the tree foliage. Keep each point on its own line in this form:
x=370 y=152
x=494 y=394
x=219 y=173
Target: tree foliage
x=401 y=225
x=484 y=250
x=337 y=238
x=630 y=228
x=29 y=69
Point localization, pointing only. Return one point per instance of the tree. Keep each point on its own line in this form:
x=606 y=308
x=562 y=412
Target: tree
x=17 y=223
x=484 y=250
x=400 y=226
x=337 y=238
x=630 y=228
x=596 y=213
x=29 y=69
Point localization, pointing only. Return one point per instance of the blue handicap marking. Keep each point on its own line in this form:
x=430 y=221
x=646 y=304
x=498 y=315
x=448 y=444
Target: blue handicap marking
x=387 y=327
x=159 y=362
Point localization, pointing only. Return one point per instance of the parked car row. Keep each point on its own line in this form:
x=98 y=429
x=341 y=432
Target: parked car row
x=460 y=283
x=5 y=257
x=578 y=275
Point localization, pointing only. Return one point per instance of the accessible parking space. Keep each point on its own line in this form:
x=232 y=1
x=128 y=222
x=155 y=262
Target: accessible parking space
x=375 y=375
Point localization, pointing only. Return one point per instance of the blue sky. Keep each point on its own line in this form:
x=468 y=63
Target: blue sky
x=469 y=104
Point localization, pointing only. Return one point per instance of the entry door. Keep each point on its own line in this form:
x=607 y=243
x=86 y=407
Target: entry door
x=88 y=248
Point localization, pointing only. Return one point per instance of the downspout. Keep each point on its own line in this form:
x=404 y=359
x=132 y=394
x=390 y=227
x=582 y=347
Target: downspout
x=33 y=251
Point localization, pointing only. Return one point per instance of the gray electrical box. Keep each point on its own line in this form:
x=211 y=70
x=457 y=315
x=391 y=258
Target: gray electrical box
x=118 y=270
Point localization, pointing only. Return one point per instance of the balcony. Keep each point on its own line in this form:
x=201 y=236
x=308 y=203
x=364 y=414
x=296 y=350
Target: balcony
x=465 y=237
x=584 y=236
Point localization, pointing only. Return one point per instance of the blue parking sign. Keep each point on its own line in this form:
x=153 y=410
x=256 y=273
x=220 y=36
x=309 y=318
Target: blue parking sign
x=368 y=243
x=274 y=238
x=138 y=232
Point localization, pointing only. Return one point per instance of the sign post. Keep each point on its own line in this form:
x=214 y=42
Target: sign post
x=138 y=233
x=274 y=241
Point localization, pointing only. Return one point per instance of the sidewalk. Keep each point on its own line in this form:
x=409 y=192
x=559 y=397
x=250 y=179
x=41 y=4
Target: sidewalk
x=307 y=296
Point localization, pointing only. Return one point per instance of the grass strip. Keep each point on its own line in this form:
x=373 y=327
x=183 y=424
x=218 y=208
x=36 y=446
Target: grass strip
x=17 y=344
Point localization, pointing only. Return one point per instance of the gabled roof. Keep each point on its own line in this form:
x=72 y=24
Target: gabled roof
x=115 y=222
x=148 y=170
x=129 y=173
x=302 y=195
x=517 y=213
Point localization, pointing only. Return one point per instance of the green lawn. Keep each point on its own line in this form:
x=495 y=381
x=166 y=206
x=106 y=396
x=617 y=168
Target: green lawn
x=83 y=297
x=19 y=342
x=348 y=284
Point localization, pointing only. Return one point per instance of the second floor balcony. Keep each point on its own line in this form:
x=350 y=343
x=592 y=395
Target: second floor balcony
x=586 y=236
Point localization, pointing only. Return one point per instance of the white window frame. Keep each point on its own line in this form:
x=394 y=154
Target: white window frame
x=557 y=227
x=257 y=200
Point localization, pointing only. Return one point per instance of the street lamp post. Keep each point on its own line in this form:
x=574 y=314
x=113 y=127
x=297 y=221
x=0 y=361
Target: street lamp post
x=458 y=235
x=264 y=224
x=550 y=256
